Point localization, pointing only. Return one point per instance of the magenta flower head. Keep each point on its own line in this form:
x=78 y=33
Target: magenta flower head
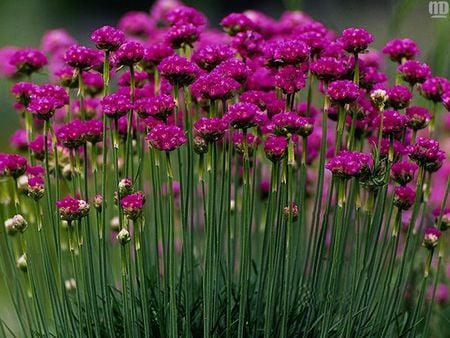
x=235 y=23
x=238 y=140
x=154 y=54
x=37 y=146
x=23 y=92
x=116 y=105
x=211 y=129
x=398 y=97
x=393 y=122
x=248 y=44
x=370 y=76
x=43 y=107
x=108 y=38
x=159 y=107
x=93 y=130
x=446 y=98
x=403 y=172
x=132 y=205
x=6 y=68
x=401 y=49
x=137 y=24
x=286 y=52
x=12 y=165
x=166 y=137
x=431 y=238
x=427 y=154
x=35 y=187
x=290 y=79
x=275 y=147
x=355 y=40
x=28 y=60
x=210 y=56
x=72 y=209
x=182 y=15
x=182 y=35
x=215 y=86
x=56 y=40
x=404 y=197
x=178 y=70
x=433 y=88
x=328 y=68
x=347 y=164
x=81 y=57
x=235 y=69
x=242 y=115
x=413 y=71
x=343 y=91
x=19 y=140
x=72 y=135
x=290 y=123
x=445 y=220
x=418 y=117
x=129 y=53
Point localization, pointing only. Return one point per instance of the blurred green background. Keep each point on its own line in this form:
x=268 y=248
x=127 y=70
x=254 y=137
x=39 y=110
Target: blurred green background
x=22 y=23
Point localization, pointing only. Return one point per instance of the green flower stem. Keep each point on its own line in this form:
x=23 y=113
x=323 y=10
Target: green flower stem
x=171 y=236
x=244 y=271
x=129 y=139
x=340 y=128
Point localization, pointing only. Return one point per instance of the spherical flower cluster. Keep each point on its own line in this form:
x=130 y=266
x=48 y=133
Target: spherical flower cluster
x=56 y=40
x=290 y=79
x=215 y=86
x=136 y=24
x=181 y=35
x=242 y=115
x=403 y=172
x=446 y=99
x=46 y=99
x=210 y=56
x=72 y=209
x=166 y=137
x=286 y=52
x=28 y=60
x=91 y=108
x=445 y=220
x=235 y=69
x=108 y=38
x=348 y=164
x=81 y=57
x=132 y=205
x=116 y=105
x=210 y=129
x=248 y=44
x=35 y=187
x=398 y=97
x=328 y=68
x=418 y=117
x=178 y=70
x=275 y=147
x=290 y=123
x=19 y=140
x=401 y=49
x=427 y=154
x=16 y=224
x=343 y=91
x=393 y=122
x=371 y=76
x=413 y=71
x=433 y=88
x=154 y=54
x=37 y=146
x=355 y=40
x=12 y=165
x=404 y=197
x=23 y=92
x=129 y=53
x=183 y=15
x=235 y=23
x=242 y=143
x=159 y=107
x=72 y=135
x=431 y=238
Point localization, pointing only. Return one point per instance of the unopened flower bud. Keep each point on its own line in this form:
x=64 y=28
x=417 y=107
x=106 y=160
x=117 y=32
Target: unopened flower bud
x=18 y=223
x=115 y=224
x=21 y=263
x=431 y=238
x=379 y=98
x=200 y=145
x=125 y=186
x=123 y=236
x=98 y=202
x=70 y=284
x=291 y=211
